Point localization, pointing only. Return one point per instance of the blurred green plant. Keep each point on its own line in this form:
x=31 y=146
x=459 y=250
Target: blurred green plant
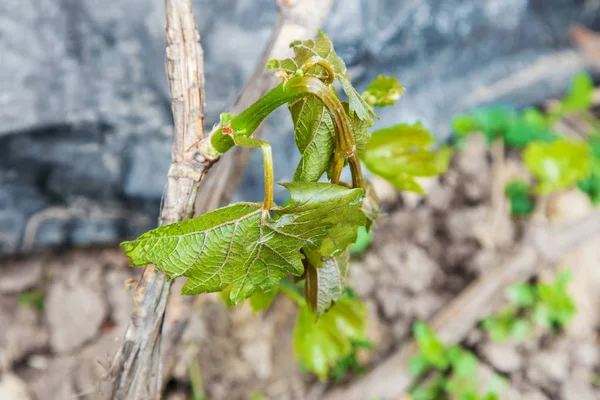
x=34 y=299
x=449 y=370
x=548 y=305
x=520 y=197
x=556 y=163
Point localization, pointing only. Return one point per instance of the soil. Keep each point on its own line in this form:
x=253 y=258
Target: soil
x=425 y=253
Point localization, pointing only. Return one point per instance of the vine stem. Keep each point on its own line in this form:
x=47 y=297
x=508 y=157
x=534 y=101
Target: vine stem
x=136 y=368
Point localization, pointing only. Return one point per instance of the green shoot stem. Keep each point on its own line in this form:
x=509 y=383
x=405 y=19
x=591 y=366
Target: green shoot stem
x=245 y=123
x=265 y=147
x=323 y=64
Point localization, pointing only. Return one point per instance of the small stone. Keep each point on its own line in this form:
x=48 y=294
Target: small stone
x=361 y=280
x=21 y=333
x=56 y=382
x=13 y=388
x=392 y=301
x=440 y=196
x=586 y=353
x=75 y=314
x=575 y=389
x=258 y=356
x=503 y=356
x=425 y=305
x=18 y=276
x=547 y=368
x=461 y=224
x=533 y=395
x=411 y=265
x=482 y=261
x=119 y=298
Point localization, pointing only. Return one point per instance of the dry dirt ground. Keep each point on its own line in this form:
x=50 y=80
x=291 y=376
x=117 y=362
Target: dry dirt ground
x=425 y=253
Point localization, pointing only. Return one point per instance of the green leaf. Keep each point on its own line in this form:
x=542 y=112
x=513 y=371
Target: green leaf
x=383 y=91
x=242 y=246
x=326 y=283
x=557 y=165
x=401 y=153
x=360 y=128
x=529 y=126
x=463 y=362
x=556 y=306
x=520 y=329
x=464 y=124
x=498 y=325
x=363 y=240
x=341 y=231
x=319 y=344
x=521 y=294
x=34 y=299
x=418 y=365
x=591 y=184
x=580 y=95
x=306 y=51
x=314 y=132
x=521 y=203
x=431 y=347
x=262 y=300
x=492 y=122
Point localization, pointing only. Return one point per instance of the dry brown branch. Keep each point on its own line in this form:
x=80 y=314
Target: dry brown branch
x=391 y=379
x=136 y=369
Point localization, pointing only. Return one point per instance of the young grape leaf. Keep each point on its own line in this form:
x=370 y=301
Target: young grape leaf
x=591 y=184
x=401 y=153
x=521 y=294
x=319 y=344
x=430 y=346
x=383 y=91
x=492 y=122
x=360 y=129
x=580 y=95
x=519 y=194
x=529 y=126
x=326 y=283
x=314 y=132
x=464 y=363
x=341 y=231
x=557 y=165
x=418 y=365
x=261 y=300
x=556 y=306
x=363 y=241
x=244 y=247
x=520 y=329
x=321 y=48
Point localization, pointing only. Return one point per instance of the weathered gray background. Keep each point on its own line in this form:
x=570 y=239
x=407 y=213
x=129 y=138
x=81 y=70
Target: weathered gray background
x=85 y=120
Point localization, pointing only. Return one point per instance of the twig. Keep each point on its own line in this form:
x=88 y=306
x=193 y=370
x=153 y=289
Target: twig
x=541 y=244
x=136 y=368
x=296 y=19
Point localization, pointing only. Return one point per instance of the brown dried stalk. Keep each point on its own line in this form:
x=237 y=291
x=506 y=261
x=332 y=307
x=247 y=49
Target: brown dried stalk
x=136 y=368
